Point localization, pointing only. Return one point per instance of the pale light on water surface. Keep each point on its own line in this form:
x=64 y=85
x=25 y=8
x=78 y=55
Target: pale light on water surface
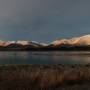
x=44 y=57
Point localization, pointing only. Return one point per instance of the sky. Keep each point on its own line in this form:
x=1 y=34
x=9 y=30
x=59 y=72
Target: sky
x=43 y=20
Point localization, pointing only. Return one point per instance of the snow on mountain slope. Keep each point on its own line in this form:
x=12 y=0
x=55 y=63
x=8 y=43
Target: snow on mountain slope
x=83 y=40
x=24 y=43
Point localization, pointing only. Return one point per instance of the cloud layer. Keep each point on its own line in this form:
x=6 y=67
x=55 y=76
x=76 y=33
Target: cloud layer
x=43 y=20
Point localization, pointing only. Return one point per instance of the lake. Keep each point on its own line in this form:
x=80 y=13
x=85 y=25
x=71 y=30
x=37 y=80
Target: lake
x=51 y=57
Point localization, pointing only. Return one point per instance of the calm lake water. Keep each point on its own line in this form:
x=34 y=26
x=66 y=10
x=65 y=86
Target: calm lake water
x=44 y=57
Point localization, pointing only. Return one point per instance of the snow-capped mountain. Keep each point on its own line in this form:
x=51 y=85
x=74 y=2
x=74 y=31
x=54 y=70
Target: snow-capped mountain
x=76 y=43
x=23 y=43
x=83 y=40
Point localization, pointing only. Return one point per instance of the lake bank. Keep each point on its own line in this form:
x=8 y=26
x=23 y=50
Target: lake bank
x=44 y=77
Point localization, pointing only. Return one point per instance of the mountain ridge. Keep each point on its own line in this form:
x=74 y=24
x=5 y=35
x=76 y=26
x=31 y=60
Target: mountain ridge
x=76 y=43
x=83 y=40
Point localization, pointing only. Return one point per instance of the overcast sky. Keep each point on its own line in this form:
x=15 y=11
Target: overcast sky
x=43 y=20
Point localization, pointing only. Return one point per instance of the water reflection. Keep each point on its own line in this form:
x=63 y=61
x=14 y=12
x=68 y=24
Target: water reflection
x=44 y=57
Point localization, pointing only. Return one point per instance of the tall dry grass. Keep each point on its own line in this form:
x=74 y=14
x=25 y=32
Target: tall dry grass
x=42 y=77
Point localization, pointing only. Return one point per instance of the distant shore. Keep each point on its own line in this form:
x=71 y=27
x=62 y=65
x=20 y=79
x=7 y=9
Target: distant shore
x=45 y=48
x=44 y=77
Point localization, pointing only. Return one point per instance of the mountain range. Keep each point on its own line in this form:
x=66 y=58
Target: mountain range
x=83 y=40
x=76 y=43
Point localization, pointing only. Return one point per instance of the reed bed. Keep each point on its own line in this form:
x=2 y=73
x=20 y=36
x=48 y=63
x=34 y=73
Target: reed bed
x=44 y=77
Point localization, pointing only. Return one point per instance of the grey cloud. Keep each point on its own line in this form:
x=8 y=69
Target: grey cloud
x=43 y=20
